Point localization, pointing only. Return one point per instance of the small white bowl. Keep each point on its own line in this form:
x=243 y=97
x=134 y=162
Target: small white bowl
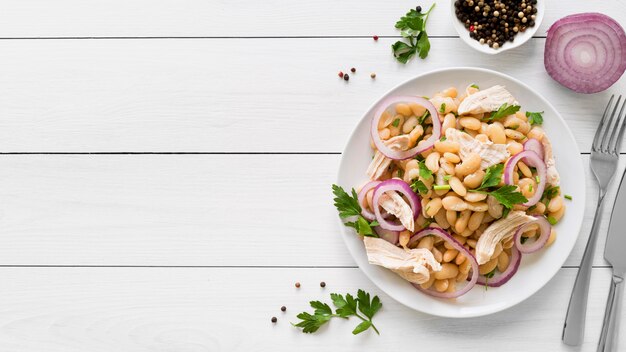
x=519 y=39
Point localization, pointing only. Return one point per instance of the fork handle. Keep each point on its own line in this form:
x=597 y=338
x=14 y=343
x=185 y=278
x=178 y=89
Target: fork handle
x=609 y=325
x=574 y=327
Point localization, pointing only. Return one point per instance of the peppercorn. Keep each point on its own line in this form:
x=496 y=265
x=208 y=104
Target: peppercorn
x=340 y=74
x=274 y=319
x=322 y=284
x=297 y=283
x=346 y=77
x=375 y=37
x=353 y=70
x=372 y=75
x=418 y=9
x=283 y=308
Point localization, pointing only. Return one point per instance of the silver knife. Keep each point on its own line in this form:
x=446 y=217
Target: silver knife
x=615 y=254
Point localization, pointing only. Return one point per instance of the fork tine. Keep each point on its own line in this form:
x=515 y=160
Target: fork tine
x=596 y=139
x=610 y=126
x=616 y=139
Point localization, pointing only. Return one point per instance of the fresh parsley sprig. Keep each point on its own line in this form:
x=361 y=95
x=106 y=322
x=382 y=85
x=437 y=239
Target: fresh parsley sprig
x=507 y=195
x=348 y=206
x=535 y=118
x=412 y=26
x=346 y=307
x=503 y=111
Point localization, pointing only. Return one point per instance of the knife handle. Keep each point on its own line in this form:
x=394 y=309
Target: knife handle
x=574 y=327
x=609 y=325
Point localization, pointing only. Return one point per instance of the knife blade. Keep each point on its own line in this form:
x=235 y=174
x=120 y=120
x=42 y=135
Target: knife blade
x=616 y=239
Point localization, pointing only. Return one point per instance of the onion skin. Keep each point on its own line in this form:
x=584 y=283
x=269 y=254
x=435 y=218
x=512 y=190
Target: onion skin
x=404 y=189
x=532 y=159
x=544 y=227
x=585 y=52
x=387 y=235
x=361 y=197
x=536 y=146
x=500 y=279
x=405 y=154
x=459 y=247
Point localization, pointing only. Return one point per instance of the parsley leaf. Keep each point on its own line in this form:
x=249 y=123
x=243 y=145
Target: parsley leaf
x=535 y=118
x=412 y=27
x=424 y=117
x=493 y=176
x=442 y=108
x=348 y=206
x=475 y=86
x=419 y=186
x=396 y=122
x=504 y=110
x=551 y=192
x=508 y=196
x=346 y=307
x=424 y=172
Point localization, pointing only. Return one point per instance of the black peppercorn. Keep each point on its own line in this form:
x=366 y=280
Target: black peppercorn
x=283 y=308
x=353 y=70
x=297 y=283
x=345 y=78
x=322 y=284
x=418 y=9
x=274 y=319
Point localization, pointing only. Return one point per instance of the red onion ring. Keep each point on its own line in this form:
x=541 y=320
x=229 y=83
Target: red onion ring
x=500 y=279
x=586 y=52
x=534 y=160
x=388 y=235
x=401 y=187
x=534 y=145
x=361 y=197
x=405 y=154
x=544 y=228
x=459 y=247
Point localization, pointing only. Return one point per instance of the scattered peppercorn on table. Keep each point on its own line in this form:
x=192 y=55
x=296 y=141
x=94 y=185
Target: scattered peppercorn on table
x=166 y=173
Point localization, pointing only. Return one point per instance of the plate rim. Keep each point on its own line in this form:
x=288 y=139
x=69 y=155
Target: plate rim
x=579 y=221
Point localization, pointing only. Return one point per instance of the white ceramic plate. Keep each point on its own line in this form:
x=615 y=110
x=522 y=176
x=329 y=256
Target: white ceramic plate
x=519 y=39
x=536 y=269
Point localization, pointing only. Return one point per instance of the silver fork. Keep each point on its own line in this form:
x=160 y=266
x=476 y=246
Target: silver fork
x=604 y=156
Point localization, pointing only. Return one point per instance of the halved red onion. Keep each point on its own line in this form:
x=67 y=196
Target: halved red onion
x=534 y=145
x=402 y=188
x=532 y=159
x=387 y=235
x=435 y=231
x=544 y=233
x=405 y=154
x=361 y=196
x=586 y=52
x=500 y=279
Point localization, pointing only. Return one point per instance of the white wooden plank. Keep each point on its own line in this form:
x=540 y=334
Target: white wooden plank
x=227 y=95
x=209 y=210
x=41 y=18
x=164 y=309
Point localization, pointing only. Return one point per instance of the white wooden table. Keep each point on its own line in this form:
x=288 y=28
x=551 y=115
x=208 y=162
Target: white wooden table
x=166 y=168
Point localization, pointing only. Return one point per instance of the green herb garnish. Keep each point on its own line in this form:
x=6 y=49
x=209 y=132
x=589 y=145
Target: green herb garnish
x=346 y=307
x=348 y=206
x=508 y=196
x=504 y=110
x=424 y=172
x=535 y=118
x=552 y=220
x=493 y=176
x=475 y=86
x=396 y=122
x=442 y=108
x=424 y=117
x=412 y=27
x=551 y=192
x=447 y=177
x=400 y=173
x=419 y=186
x=568 y=197
x=441 y=187
x=523 y=239
x=537 y=179
x=443 y=138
